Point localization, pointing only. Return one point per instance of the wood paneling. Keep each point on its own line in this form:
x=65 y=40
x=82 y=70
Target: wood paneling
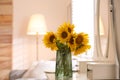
x=5 y=19
x=5 y=1
x=5 y=64
x=5 y=50
x=5 y=9
x=6 y=29
x=5 y=38
x=4 y=74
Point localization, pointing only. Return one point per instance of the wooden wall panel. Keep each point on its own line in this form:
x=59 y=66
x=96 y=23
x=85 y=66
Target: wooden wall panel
x=5 y=29
x=5 y=50
x=5 y=19
x=5 y=38
x=5 y=3
x=5 y=9
x=4 y=75
x=5 y=0
x=6 y=64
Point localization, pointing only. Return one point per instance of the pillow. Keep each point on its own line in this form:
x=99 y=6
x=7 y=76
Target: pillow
x=36 y=71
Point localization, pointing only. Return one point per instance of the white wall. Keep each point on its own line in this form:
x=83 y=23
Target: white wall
x=24 y=47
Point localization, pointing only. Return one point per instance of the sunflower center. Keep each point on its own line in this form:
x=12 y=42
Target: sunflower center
x=52 y=37
x=71 y=40
x=79 y=39
x=69 y=30
x=64 y=34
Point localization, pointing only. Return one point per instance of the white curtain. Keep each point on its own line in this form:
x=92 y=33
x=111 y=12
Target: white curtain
x=113 y=45
x=97 y=47
x=83 y=19
x=116 y=23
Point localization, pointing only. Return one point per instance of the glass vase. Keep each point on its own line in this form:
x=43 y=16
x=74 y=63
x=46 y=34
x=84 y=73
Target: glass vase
x=63 y=64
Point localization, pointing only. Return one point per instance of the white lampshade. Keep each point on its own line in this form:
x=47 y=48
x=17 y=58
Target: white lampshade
x=36 y=25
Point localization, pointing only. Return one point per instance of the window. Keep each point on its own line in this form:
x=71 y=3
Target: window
x=83 y=18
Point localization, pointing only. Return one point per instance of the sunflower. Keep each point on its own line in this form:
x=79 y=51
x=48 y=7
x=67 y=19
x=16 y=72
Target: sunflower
x=50 y=40
x=65 y=37
x=81 y=39
x=62 y=34
x=85 y=38
x=69 y=27
x=71 y=41
x=82 y=49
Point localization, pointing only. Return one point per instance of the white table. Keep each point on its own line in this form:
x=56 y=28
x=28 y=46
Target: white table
x=51 y=76
x=49 y=69
x=76 y=76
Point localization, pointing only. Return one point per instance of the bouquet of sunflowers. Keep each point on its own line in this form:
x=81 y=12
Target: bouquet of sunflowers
x=66 y=36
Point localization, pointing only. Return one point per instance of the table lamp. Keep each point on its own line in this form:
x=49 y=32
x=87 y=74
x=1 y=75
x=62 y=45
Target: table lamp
x=36 y=26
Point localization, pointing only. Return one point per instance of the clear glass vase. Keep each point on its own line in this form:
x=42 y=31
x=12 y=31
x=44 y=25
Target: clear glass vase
x=63 y=64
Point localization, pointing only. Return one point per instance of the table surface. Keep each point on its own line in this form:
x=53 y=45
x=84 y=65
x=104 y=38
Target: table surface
x=76 y=76
x=50 y=73
x=51 y=76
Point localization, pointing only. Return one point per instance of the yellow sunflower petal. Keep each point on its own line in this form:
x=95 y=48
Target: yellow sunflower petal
x=71 y=43
x=82 y=49
x=62 y=34
x=82 y=39
x=69 y=27
x=50 y=40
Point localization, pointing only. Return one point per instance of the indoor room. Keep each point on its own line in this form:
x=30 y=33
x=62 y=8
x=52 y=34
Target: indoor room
x=59 y=40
